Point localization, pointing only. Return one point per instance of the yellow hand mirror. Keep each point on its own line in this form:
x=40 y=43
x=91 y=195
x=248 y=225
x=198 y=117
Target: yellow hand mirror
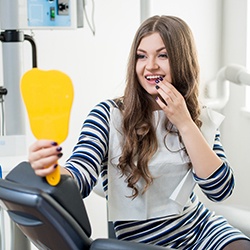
x=48 y=97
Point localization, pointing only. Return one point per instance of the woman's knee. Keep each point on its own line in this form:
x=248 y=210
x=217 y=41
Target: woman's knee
x=238 y=244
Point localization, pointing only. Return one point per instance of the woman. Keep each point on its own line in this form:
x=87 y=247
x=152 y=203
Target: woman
x=152 y=146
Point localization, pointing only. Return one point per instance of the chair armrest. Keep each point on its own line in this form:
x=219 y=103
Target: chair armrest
x=237 y=217
x=113 y=244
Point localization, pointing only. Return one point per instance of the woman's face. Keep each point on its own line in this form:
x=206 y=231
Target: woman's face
x=152 y=62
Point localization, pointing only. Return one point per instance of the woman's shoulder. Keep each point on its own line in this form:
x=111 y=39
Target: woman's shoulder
x=103 y=108
x=109 y=103
x=208 y=115
x=211 y=121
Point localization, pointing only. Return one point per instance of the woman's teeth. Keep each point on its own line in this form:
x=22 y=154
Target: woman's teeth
x=152 y=77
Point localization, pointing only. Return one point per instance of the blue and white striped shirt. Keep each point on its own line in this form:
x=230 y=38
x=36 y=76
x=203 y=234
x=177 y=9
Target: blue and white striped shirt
x=197 y=228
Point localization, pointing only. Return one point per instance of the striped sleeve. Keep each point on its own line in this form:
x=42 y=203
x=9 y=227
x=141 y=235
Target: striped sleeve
x=220 y=184
x=91 y=150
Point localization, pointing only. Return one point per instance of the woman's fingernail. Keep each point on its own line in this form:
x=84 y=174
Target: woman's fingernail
x=160 y=78
x=156 y=98
x=157 y=81
x=60 y=155
x=55 y=165
x=54 y=143
x=58 y=149
x=157 y=87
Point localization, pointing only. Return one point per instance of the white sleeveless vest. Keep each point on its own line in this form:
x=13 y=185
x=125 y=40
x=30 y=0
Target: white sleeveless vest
x=173 y=179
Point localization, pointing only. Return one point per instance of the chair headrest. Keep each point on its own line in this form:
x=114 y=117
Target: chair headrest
x=66 y=193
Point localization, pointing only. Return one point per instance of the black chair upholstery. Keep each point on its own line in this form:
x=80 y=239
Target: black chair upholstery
x=52 y=217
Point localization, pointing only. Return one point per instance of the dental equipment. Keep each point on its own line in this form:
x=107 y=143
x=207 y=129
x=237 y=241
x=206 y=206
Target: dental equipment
x=231 y=73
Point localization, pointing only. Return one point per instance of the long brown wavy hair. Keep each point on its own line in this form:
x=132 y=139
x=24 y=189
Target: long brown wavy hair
x=140 y=142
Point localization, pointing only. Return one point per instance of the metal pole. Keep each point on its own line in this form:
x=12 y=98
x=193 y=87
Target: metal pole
x=19 y=240
x=12 y=40
x=12 y=72
x=144 y=9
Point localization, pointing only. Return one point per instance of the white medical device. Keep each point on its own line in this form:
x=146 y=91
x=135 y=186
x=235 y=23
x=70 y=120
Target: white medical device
x=233 y=73
x=41 y=14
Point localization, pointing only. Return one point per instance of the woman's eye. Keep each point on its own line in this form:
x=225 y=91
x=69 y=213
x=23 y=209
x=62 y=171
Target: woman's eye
x=140 y=56
x=165 y=55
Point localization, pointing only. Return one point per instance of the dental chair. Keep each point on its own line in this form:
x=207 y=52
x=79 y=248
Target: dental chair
x=53 y=217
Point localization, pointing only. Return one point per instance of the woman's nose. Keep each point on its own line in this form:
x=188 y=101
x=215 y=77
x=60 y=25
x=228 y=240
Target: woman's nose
x=152 y=64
